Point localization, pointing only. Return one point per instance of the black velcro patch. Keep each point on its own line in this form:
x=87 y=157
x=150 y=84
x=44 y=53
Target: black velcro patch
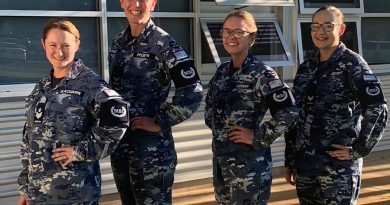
x=114 y=112
x=371 y=94
x=184 y=74
x=39 y=112
x=279 y=99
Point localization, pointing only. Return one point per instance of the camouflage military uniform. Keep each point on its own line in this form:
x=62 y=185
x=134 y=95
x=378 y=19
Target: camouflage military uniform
x=82 y=112
x=141 y=71
x=242 y=173
x=341 y=102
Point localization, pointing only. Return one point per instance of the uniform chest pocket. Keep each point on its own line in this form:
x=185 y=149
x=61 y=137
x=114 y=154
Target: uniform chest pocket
x=336 y=83
x=245 y=90
x=69 y=107
x=143 y=61
x=69 y=97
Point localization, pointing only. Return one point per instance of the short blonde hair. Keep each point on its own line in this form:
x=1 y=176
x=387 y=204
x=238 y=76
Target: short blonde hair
x=246 y=16
x=61 y=24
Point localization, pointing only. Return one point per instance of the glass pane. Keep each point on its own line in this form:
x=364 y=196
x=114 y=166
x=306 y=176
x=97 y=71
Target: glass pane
x=59 y=5
x=376 y=6
x=267 y=47
x=207 y=56
x=22 y=58
x=179 y=29
x=336 y=3
x=162 y=6
x=376 y=40
x=349 y=38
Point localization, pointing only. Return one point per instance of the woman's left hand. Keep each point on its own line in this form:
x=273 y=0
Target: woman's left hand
x=64 y=155
x=144 y=123
x=342 y=152
x=239 y=134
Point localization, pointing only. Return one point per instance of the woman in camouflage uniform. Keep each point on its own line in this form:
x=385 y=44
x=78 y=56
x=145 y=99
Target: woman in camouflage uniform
x=239 y=95
x=73 y=120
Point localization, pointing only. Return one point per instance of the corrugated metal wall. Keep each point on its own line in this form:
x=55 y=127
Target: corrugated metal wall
x=192 y=139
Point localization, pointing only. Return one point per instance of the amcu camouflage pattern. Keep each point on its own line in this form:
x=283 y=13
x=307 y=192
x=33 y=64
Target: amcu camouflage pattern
x=341 y=102
x=242 y=173
x=141 y=70
x=82 y=112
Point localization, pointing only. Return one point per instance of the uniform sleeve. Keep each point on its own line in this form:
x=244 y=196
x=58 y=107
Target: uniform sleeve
x=24 y=156
x=300 y=84
x=188 y=92
x=208 y=113
x=109 y=113
x=281 y=104
x=368 y=90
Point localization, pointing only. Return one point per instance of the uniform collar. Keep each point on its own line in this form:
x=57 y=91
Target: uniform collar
x=335 y=56
x=125 y=37
x=74 y=71
x=249 y=58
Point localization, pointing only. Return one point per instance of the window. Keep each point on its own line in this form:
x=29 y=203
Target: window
x=376 y=6
x=58 y=5
x=305 y=44
x=346 y=6
x=270 y=45
x=256 y=2
x=162 y=6
x=376 y=40
x=22 y=58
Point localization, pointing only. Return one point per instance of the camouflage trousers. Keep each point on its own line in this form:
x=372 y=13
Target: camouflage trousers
x=328 y=189
x=242 y=180
x=143 y=177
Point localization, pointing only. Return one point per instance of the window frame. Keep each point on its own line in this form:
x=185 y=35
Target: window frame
x=304 y=10
x=205 y=30
x=308 y=20
x=255 y=2
x=24 y=89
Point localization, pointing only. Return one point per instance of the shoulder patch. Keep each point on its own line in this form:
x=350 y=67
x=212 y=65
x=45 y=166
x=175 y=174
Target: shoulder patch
x=369 y=77
x=275 y=84
x=373 y=91
x=188 y=73
x=280 y=96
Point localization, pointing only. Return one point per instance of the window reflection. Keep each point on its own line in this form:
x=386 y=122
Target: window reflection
x=376 y=40
x=22 y=58
x=376 y=6
x=336 y=3
x=58 y=5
